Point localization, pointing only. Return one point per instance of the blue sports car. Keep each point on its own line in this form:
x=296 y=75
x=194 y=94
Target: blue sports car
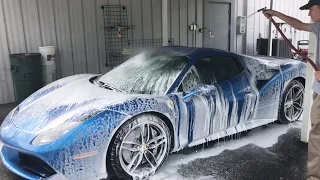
x=126 y=122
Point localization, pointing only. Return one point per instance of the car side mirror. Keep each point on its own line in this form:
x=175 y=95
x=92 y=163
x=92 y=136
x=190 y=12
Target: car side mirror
x=271 y=67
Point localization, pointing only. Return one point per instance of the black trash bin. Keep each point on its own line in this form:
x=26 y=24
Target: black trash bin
x=26 y=73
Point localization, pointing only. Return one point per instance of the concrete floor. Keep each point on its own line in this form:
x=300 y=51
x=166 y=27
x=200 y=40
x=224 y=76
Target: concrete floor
x=285 y=160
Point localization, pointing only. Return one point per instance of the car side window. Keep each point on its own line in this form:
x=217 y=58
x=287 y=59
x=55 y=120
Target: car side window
x=218 y=68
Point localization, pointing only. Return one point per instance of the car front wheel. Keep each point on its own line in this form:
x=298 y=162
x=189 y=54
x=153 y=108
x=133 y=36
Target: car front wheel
x=140 y=147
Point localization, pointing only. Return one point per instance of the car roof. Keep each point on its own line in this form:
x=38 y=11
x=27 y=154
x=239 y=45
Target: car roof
x=195 y=52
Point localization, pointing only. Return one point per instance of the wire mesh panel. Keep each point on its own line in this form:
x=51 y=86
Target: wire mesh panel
x=116 y=34
x=119 y=47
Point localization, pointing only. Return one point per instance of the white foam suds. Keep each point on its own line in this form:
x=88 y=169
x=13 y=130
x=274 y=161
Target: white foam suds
x=261 y=137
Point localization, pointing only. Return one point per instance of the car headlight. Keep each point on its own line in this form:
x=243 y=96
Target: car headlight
x=54 y=133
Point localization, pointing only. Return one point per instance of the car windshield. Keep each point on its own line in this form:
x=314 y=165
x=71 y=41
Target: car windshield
x=151 y=72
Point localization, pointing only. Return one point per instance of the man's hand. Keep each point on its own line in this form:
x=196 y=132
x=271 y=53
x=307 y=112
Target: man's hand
x=317 y=75
x=269 y=13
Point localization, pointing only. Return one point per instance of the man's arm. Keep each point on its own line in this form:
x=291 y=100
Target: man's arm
x=295 y=23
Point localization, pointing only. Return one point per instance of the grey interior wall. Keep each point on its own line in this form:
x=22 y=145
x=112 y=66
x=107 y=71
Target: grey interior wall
x=241 y=9
x=75 y=27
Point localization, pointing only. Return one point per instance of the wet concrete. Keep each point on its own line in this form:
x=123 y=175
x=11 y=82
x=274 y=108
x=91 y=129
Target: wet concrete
x=286 y=160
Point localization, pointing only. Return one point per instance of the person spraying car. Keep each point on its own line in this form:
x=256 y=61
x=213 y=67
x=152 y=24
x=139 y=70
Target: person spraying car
x=313 y=6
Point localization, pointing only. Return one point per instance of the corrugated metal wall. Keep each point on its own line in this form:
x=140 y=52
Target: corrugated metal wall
x=258 y=24
x=183 y=13
x=76 y=28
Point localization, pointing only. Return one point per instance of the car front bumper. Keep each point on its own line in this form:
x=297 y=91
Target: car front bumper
x=28 y=167
x=76 y=155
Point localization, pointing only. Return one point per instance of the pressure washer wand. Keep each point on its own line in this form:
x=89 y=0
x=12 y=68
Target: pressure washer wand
x=286 y=39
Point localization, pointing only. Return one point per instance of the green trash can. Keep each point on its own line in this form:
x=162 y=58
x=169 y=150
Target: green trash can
x=26 y=73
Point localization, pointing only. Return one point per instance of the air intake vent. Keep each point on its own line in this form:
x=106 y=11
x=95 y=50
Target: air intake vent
x=279 y=48
x=35 y=166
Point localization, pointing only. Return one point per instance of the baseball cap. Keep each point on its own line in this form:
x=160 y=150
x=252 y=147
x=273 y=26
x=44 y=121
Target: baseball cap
x=310 y=4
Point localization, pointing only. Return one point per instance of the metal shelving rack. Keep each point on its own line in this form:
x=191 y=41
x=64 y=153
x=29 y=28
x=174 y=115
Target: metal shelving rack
x=118 y=46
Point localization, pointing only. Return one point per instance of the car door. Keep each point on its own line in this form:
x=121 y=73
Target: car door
x=223 y=101
x=195 y=107
x=237 y=98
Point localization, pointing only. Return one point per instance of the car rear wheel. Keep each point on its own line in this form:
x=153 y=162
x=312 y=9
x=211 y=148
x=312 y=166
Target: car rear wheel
x=140 y=147
x=291 y=105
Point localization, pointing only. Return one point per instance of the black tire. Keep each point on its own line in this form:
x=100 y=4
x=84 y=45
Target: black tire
x=282 y=117
x=114 y=148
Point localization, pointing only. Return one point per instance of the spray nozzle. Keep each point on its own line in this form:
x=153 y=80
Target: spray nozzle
x=262 y=9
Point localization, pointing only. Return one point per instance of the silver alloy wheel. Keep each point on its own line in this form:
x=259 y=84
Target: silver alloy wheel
x=294 y=102
x=143 y=149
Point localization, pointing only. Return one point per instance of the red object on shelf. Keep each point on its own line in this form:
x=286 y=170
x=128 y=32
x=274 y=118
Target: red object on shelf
x=119 y=31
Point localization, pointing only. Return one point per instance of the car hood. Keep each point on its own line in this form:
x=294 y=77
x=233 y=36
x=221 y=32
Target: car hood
x=71 y=99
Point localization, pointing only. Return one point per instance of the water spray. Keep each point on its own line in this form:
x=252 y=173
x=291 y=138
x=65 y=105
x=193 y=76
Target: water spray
x=289 y=43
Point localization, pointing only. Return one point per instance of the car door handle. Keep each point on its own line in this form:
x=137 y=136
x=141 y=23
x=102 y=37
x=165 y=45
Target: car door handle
x=210 y=34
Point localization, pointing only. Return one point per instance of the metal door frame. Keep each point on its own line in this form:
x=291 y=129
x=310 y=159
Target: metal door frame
x=232 y=20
